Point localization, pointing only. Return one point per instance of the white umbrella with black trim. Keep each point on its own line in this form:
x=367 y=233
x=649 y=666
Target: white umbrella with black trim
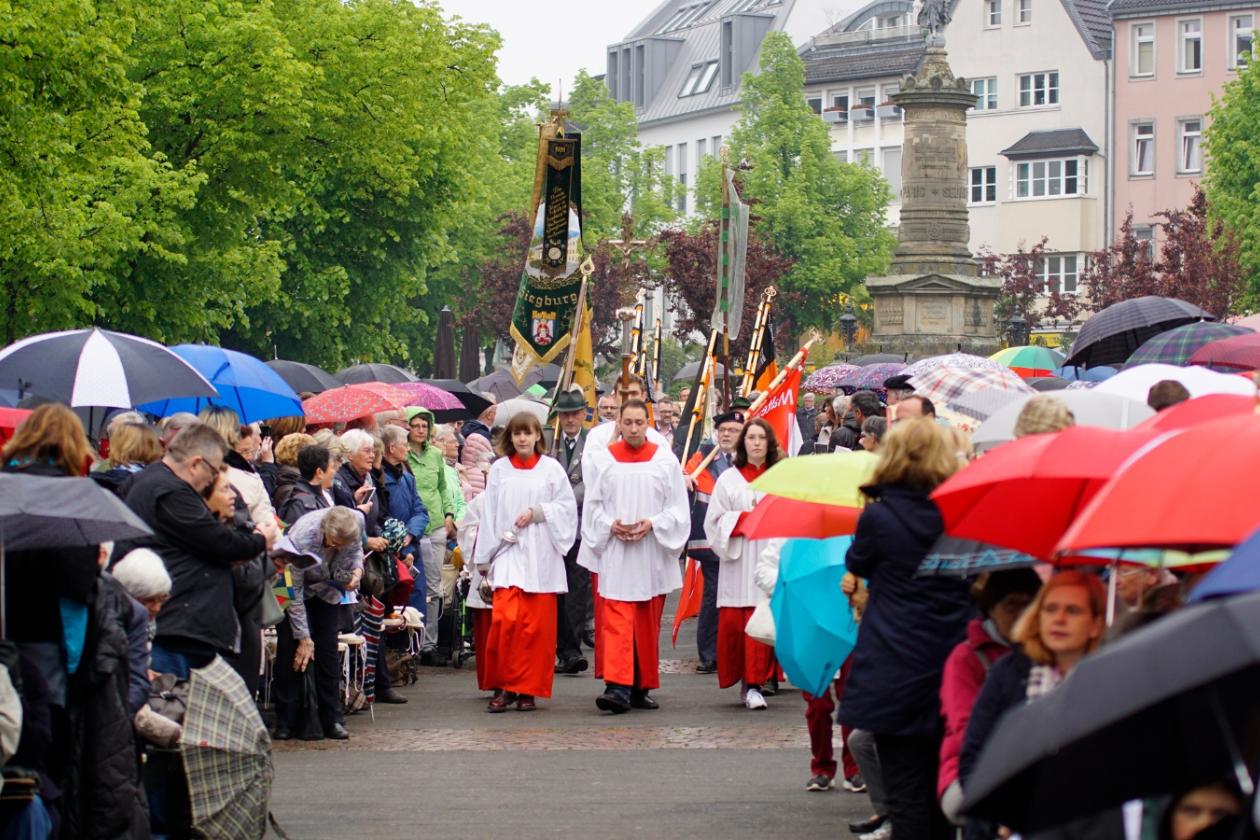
x=98 y=368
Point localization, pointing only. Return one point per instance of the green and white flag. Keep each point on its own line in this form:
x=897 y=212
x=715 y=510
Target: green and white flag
x=732 y=253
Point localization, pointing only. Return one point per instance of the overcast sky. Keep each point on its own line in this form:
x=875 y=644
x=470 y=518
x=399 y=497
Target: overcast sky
x=529 y=30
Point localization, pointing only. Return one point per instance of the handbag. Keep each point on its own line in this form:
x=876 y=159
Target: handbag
x=272 y=612
x=401 y=593
x=760 y=626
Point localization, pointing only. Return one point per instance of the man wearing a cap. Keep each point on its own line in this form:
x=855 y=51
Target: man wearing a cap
x=572 y=608
x=897 y=388
x=726 y=427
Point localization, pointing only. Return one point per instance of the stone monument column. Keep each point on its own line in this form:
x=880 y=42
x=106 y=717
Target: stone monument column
x=933 y=299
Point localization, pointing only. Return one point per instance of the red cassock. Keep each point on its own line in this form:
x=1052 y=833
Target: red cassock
x=739 y=656
x=481 y=633
x=521 y=644
x=630 y=637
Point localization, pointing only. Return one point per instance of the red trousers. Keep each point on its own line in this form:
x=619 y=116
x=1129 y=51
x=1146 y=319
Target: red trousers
x=599 y=649
x=818 y=716
x=481 y=631
x=522 y=642
x=739 y=657
x=629 y=636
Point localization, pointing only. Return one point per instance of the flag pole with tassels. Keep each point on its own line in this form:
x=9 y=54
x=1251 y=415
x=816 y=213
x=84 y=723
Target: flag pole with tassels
x=760 y=325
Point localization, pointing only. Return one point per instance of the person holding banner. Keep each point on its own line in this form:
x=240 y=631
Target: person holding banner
x=740 y=658
x=634 y=523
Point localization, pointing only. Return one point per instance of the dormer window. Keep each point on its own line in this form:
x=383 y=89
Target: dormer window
x=700 y=79
x=685 y=16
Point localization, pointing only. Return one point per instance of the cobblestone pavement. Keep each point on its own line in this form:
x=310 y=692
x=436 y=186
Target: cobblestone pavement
x=701 y=766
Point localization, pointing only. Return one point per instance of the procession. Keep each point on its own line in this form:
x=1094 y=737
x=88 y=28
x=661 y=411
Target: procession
x=364 y=468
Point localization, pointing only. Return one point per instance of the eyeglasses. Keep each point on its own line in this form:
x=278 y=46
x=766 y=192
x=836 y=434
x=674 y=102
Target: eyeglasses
x=214 y=470
x=421 y=425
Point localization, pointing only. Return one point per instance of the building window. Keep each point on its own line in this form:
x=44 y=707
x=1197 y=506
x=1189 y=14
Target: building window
x=986 y=93
x=1037 y=89
x=983 y=184
x=612 y=74
x=892 y=170
x=728 y=53
x=1190 y=155
x=840 y=102
x=685 y=16
x=993 y=13
x=1025 y=10
x=842 y=155
x=1059 y=272
x=701 y=151
x=626 y=77
x=863 y=156
x=640 y=70
x=1143 y=49
x=682 y=177
x=1142 y=158
x=1051 y=178
x=1190 y=46
x=669 y=160
x=1241 y=39
x=815 y=104
x=700 y=79
x=717 y=144
x=1145 y=234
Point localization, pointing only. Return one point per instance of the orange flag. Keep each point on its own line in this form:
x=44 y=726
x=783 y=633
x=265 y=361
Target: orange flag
x=692 y=595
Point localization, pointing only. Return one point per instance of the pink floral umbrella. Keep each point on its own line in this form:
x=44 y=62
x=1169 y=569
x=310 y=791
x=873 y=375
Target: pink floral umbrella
x=350 y=402
x=445 y=406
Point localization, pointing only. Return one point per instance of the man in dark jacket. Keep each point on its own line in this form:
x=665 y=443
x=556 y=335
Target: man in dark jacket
x=309 y=493
x=573 y=606
x=864 y=404
x=199 y=551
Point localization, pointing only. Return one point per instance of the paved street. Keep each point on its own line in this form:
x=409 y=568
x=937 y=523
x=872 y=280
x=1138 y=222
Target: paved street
x=701 y=766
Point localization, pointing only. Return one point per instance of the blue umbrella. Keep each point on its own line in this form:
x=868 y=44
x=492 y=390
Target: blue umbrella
x=1072 y=373
x=814 y=627
x=957 y=557
x=1237 y=575
x=245 y=385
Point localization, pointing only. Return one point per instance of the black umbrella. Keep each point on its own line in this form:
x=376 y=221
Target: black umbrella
x=374 y=372
x=501 y=383
x=878 y=359
x=472 y=401
x=1111 y=336
x=1160 y=710
x=444 y=352
x=303 y=377
x=469 y=355
x=1046 y=383
x=98 y=368
x=689 y=370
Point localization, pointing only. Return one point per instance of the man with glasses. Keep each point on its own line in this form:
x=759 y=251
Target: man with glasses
x=199 y=621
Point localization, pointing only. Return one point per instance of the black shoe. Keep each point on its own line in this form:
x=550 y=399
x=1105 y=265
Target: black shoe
x=706 y=667
x=312 y=736
x=337 y=732
x=433 y=659
x=641 y=700
x=588 y=639
x=282 y=733
x=615 y=700
x=391 y=696
x=572 y=665
x=867 y=826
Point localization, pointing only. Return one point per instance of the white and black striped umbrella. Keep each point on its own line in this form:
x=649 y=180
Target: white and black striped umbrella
x=98 y=368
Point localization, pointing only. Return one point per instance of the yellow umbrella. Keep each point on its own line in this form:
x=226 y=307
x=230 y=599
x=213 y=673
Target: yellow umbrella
x=830 y=479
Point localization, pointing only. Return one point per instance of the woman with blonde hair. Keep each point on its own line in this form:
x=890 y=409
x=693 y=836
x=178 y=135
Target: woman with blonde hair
x=910 y=624
x=132 y=447
x=1043 y=413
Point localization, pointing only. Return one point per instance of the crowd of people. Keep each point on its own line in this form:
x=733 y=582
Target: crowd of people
x=557 y=540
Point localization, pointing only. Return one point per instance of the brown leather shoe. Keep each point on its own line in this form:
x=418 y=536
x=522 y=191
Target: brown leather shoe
x=500 y=701
x=525 y=703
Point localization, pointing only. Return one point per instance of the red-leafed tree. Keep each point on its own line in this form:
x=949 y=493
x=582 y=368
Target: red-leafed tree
x=691 y=277
x=1024 y=290
x=1197 y=262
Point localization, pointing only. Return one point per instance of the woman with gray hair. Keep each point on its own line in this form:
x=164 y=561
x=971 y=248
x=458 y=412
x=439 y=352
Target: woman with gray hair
x=143 y=576
x=324 y=550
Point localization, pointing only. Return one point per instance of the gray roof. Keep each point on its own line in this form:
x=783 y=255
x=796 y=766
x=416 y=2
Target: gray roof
x=1092 y=21
x=1060 y=142
x=1142 y=8
x=865 y=61
x=698 y=43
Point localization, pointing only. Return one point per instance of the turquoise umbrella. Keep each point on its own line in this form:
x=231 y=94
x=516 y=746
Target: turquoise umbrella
x=814 y=627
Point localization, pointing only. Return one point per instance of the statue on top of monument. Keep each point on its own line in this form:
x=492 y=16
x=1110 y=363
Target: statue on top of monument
x=934 y=16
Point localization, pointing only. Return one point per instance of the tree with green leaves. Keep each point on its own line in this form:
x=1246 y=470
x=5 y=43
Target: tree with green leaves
x=1232 y=182
x=828 y=217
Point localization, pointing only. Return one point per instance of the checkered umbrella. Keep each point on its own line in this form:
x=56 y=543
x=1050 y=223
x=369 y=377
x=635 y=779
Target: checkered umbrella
x=1113 y=334
x=1176 y=346
x=952 y=360
x=946 y=384
x=227 y=755
x=829 y=378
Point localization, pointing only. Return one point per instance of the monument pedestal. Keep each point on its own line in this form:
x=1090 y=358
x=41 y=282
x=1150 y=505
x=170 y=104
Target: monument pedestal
x=933 y=300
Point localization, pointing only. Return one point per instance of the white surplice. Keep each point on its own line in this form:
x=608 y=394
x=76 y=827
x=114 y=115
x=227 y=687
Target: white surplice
x=466 y=531
x=731 y=498
x=535 y=563
x=630 y=492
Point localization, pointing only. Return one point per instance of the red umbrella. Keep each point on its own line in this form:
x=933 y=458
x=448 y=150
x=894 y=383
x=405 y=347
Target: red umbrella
x=776 y=516
x=1233 y=354
x=350 y=402
x=1191 y=490
x=1202 y=409
x=10 y=419
x=1024 y=494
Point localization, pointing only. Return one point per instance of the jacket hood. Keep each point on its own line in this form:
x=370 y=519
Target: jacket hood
x=916 y=512
x=412 y=413
x=474 y=426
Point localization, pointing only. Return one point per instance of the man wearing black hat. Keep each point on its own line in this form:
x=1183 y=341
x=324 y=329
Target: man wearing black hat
x=897 y=388
x=726 y=428
x=572 y=608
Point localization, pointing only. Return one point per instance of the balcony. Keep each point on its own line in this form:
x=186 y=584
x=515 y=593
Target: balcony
x=835 y=116
x=889 y=111
x=862 y=113
x=908 y=34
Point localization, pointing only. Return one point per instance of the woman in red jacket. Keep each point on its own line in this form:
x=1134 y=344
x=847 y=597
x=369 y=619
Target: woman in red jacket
x=1001 y=598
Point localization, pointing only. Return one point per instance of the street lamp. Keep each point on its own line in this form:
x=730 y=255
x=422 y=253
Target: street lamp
x=848 y=326
x=1017 y=330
